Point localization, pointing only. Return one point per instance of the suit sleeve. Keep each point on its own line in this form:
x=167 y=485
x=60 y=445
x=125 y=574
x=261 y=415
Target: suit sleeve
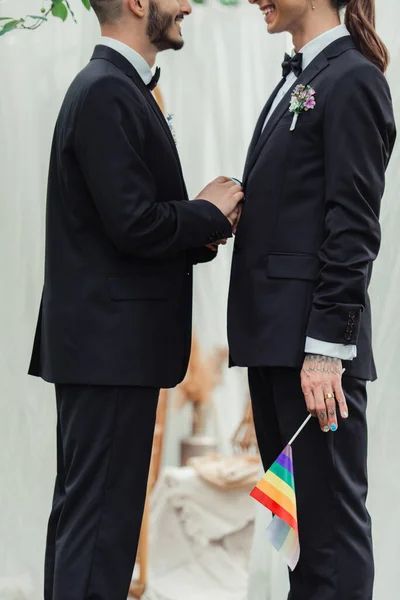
x=359 y=134
x=109 y=145
x=201 y=255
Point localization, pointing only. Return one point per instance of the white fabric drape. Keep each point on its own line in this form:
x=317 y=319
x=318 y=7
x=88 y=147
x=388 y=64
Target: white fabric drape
x=215 y=88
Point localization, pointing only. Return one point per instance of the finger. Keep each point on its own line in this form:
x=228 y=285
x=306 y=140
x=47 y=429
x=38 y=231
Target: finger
x=341 y=400
x=240 y=209
x=222 y=179
x=235 y=212
x=320 y=408
x=211 y=247
x=310 y=403
x=232 y=219
x=238 y=196
x=331 y=408
x=230 y=183
x=308 y=397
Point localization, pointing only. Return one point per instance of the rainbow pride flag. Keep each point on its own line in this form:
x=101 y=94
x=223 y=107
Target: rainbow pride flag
x=276 y=492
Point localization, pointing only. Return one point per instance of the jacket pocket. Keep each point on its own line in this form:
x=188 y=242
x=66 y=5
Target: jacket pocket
x=144 y=286
x=293 y=266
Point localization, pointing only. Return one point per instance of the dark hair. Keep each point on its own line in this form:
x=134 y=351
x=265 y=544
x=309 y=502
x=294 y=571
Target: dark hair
x=107 y=11
x=360 y=21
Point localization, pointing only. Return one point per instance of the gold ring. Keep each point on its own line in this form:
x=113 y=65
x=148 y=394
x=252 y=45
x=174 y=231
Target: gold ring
x=329 y=396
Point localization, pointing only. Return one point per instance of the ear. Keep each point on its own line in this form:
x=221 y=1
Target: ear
x=137 y=7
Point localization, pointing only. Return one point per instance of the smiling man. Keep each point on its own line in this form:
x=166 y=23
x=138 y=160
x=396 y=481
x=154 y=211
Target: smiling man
x=115 y=319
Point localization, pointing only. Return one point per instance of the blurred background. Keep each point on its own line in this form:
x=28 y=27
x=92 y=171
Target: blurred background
x=204 y=537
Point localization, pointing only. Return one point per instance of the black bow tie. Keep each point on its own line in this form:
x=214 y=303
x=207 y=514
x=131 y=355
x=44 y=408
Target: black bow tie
x=154 y=80
x=293 y=63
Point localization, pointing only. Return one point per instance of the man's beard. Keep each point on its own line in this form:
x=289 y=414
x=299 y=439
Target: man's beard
x=158 y=25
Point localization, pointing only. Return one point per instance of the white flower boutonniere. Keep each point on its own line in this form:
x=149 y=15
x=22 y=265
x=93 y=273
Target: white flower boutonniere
x=171 y=127
x=301 y=101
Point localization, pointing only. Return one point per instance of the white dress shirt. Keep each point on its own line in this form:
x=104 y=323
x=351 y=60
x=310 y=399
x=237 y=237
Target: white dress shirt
x=136 y=60
x=309 y=52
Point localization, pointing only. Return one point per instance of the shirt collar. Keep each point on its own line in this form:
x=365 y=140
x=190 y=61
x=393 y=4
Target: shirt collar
x=318 y=44
x=136 y=60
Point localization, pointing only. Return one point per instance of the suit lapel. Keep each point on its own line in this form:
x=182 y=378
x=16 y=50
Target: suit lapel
x=314 y=68
x=148 y=96
x=259 y=126
x=125 y=66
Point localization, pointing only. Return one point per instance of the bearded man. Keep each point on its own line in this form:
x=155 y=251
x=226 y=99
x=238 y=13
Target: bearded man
x=115 y=319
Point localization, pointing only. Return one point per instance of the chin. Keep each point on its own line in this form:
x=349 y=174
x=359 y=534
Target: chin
x=177 y=43
x=274 y=27
x=170 y=43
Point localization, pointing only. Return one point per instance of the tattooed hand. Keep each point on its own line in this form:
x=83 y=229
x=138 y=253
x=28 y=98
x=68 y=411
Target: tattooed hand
x=321 y=382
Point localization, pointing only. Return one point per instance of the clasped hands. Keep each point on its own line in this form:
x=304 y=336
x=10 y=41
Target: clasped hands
x=227 y=195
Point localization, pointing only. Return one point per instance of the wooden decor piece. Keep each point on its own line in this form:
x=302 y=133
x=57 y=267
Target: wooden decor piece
x=202 y=377
x=138 y=586
x=159 y=99
x=244 y=440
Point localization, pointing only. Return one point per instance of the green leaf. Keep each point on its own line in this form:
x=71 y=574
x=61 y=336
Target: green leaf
x=86 y=4
x=59 y=10
x=10 y=26
x=6 y=18
x=37 y=18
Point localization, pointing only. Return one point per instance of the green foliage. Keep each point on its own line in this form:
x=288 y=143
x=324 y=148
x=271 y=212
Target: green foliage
x=61 y=9
x=51 y=8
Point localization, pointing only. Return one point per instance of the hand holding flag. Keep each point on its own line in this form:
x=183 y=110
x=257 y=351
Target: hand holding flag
x=276 y=491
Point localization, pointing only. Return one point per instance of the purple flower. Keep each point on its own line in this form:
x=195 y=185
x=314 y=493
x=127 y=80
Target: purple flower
x=310 y=103
x=302 y=100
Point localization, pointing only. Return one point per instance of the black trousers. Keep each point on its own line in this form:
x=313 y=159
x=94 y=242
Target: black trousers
x=336 y=560
x=104 y=442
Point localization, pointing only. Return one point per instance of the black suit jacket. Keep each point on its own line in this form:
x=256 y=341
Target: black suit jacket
x=309 y=231
x=121 y=238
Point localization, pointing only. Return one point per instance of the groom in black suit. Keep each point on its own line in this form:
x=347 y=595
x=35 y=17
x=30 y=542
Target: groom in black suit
x=115 y=318
x=299 y=310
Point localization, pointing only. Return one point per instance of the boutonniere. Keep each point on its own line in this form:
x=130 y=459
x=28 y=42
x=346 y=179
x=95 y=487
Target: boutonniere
x=301 y=101
x=171 y=127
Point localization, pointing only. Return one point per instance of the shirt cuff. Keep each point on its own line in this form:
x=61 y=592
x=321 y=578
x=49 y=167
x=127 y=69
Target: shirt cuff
x=330 y=349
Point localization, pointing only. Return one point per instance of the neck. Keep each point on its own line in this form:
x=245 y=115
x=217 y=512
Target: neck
x=136 y=40
x=317 y=23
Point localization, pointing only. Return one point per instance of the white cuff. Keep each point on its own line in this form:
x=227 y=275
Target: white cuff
x=330 y=349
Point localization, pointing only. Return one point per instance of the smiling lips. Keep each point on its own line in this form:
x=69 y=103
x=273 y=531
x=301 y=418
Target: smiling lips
x=267 y=9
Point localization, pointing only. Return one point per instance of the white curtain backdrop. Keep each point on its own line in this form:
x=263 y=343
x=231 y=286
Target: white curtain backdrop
x=215 y=88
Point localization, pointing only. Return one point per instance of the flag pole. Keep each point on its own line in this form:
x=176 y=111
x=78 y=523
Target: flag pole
x=300 y=429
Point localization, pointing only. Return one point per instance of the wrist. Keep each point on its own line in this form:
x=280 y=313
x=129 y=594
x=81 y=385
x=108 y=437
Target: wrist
x=322 y=364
